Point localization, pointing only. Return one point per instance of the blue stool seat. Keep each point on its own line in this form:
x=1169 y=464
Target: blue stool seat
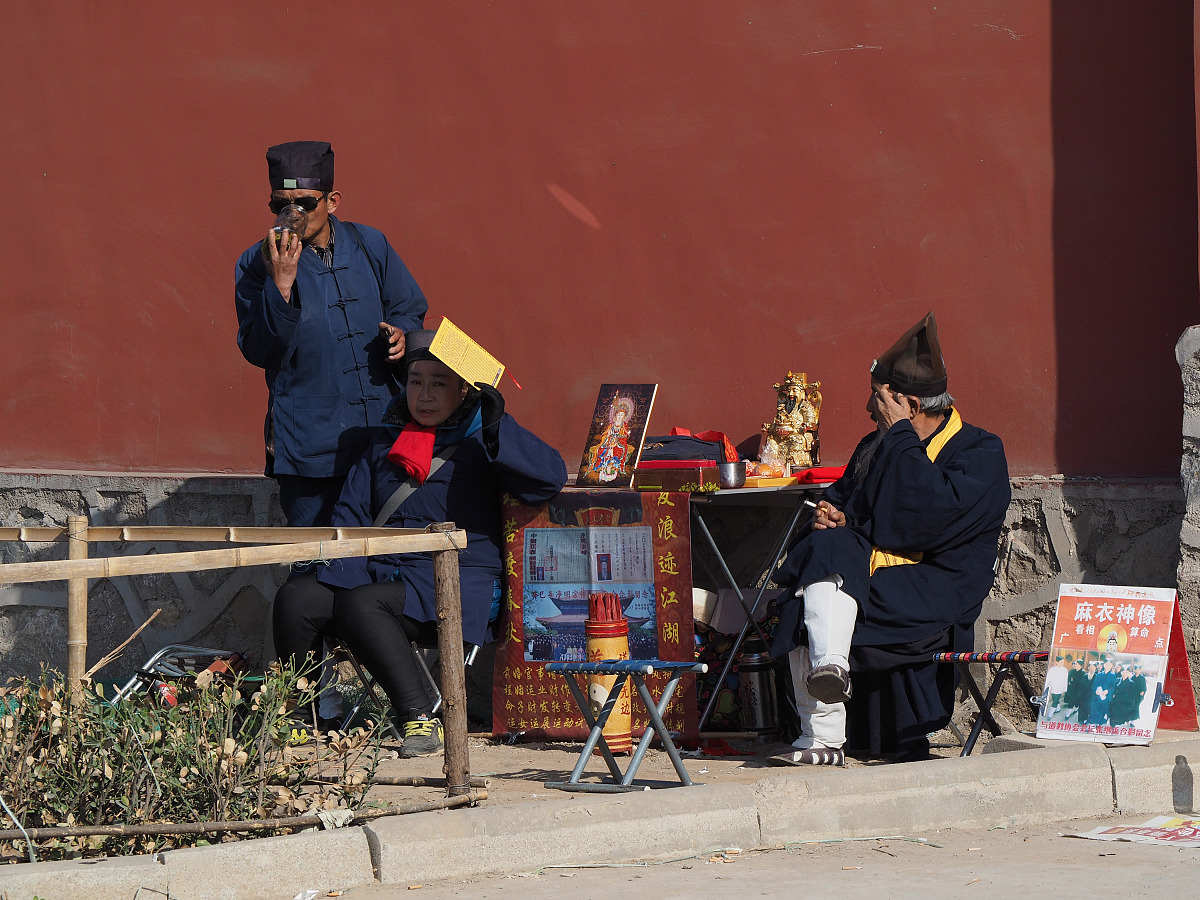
x=624 y=670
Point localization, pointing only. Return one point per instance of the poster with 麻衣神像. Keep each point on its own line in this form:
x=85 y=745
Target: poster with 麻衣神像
x=636 y=545
x=1108 y=660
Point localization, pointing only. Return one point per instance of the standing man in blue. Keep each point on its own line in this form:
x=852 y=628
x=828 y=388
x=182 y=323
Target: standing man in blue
x=898 y=564
x=325 y=316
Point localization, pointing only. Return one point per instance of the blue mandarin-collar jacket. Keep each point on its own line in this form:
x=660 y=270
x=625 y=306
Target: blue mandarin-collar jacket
x=466 y=490
x=327 y=373
x=950 y=510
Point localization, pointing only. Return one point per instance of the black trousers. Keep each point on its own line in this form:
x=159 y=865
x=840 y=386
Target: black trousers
x=370 y=621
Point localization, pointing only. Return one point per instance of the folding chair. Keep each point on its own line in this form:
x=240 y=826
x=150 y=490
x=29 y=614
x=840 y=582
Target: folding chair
x=370 y=692
x=1009 y=667
x=173 y=661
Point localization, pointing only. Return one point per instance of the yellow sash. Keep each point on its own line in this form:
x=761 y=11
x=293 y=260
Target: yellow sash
x=882 y=558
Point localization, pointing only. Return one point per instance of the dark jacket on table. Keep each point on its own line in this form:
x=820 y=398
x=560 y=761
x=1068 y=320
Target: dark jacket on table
x=466 y=490
x=327 y=374
x=951 y=510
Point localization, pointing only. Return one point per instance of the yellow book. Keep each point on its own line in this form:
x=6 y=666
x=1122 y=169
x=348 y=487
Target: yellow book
x=456 y=349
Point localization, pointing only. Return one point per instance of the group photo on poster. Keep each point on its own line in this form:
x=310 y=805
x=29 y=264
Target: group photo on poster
x=1089 y=692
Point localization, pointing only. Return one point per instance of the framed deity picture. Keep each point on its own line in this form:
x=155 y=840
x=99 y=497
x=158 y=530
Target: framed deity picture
x=614 y=441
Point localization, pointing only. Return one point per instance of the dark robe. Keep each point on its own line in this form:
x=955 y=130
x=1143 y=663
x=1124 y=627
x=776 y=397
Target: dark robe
x=328 y=378
x=1077 y=685
x=1139 y=682
x=1098 y=714
x=1086 y=697
x=466 y=490
x=951 y=511
x=1125 y=700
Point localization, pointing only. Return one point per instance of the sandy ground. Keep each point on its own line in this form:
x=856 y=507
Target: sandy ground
x=995 y=862
x=517 y=772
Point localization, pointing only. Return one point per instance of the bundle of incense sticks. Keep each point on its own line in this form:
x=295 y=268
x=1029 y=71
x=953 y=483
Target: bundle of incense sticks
x=604 y=607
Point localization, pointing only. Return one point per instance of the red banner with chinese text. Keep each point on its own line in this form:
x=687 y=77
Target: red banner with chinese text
x=634 y=544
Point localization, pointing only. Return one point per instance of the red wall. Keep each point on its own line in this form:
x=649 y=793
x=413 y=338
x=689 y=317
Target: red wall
x=699 y=194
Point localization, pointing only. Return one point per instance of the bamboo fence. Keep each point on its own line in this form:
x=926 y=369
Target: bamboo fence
x=274 y=546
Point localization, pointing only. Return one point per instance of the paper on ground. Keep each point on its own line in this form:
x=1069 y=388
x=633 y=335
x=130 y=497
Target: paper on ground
x=1166 y=831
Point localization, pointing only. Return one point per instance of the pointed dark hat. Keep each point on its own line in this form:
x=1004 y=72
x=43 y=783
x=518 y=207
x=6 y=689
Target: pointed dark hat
x=300 y=165
x=914 y=365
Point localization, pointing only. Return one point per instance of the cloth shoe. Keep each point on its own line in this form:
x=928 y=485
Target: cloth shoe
x=422 y=737
x=812 y=756
x=300 y=728
x=830 y=684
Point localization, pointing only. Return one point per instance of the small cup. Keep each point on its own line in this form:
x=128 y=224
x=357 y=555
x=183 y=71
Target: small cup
x=292 y=218
x=732 y=474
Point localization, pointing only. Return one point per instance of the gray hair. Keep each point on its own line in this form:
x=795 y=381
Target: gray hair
x=933 y=405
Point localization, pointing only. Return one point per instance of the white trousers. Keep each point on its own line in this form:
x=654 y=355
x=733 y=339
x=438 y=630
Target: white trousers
x=829 y=616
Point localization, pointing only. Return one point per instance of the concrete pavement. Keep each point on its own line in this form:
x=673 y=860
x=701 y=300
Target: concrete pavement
x=1043 y=781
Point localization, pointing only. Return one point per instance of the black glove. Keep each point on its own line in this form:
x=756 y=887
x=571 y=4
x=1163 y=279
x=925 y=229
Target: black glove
x=491 y=408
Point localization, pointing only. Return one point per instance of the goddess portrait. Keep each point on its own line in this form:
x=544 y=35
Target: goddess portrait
x=610 y=455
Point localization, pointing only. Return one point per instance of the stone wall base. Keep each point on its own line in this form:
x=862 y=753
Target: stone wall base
x=1058 y=531
x=224 y=608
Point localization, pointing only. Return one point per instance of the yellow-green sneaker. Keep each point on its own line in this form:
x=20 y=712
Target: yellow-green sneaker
x=422 y=737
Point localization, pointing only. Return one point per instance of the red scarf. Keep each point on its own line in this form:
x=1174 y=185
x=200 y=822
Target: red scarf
x=413 y=451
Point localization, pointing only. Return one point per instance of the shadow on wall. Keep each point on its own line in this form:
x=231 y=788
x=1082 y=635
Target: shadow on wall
x=1125 y=231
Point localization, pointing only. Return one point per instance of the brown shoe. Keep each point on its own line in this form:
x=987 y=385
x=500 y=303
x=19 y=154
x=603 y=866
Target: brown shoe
x=829 y=684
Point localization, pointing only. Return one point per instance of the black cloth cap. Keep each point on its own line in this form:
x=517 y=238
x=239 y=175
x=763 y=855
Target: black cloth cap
x=914 y=365
x=416 y=348
x=300 y=165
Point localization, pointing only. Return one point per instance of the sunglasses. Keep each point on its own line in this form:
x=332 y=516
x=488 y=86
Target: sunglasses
x=308 y=204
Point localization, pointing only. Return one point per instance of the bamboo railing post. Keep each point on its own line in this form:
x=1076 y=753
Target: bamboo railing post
x=448 y=603
x=77 y=607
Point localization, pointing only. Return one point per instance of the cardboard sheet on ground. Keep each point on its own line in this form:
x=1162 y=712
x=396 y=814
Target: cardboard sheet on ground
x=1165 y=831
x=456 y=349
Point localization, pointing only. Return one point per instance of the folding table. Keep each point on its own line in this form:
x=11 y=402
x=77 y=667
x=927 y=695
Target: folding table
x=791 y=496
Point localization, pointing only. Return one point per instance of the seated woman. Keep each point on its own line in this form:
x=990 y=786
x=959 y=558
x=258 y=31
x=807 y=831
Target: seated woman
x=456 y=450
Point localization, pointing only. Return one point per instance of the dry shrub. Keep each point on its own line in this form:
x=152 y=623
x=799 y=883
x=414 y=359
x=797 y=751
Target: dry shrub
x=220 y=754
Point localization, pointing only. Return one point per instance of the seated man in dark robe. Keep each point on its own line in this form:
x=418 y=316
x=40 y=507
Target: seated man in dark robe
x=899 y=561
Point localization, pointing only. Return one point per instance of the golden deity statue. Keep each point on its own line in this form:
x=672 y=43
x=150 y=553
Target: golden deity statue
x=791 y=440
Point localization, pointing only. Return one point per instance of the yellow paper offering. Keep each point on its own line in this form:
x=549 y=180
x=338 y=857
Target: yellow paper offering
x=453 y=347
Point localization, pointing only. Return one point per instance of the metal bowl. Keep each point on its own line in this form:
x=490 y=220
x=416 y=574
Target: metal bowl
x=732 y=474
